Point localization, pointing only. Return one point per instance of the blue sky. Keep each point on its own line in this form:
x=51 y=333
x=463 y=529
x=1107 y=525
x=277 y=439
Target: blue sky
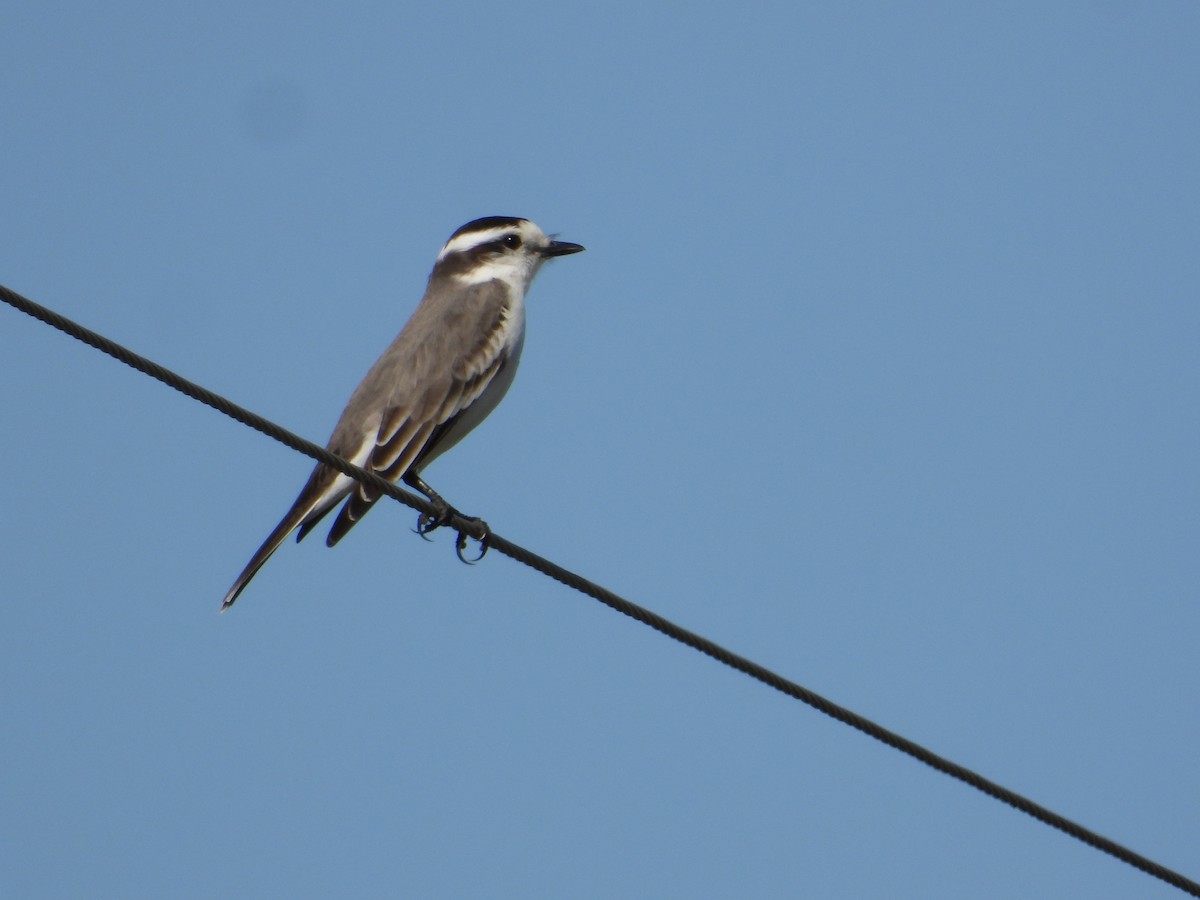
x=880 y=369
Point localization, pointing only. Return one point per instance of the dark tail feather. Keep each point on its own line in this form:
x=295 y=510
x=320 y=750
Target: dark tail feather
x=313 y=520
x=309 y=503
x=353 y=510
x=269 y=546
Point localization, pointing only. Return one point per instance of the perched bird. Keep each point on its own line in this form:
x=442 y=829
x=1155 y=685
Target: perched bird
x=441 y=376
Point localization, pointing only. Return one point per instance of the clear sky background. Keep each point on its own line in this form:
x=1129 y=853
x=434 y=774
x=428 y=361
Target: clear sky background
x=881 y=368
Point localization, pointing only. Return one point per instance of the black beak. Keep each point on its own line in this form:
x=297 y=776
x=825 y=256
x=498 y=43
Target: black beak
x=561 y=248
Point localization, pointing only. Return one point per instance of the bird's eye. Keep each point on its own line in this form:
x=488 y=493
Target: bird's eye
x=512 y=241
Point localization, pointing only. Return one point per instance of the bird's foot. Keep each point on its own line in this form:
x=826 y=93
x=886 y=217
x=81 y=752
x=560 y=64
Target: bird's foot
x=443 y=513
x=427 y=523
x=460 y=543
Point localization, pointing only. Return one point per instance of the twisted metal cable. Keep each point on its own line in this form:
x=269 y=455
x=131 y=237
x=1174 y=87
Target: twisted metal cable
x=475 y=528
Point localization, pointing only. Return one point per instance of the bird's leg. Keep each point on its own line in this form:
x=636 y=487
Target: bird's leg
x=444 y=512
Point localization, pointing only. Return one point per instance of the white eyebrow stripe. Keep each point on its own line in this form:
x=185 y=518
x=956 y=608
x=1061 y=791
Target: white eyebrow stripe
x=474 y=239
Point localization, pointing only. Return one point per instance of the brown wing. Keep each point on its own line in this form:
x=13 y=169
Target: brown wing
x=460 y=353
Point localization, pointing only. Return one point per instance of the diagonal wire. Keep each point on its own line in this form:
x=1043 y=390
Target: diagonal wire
x=664 y=626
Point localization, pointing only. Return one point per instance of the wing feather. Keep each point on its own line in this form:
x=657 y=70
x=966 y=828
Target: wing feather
x=419 y=418
x=392 y=448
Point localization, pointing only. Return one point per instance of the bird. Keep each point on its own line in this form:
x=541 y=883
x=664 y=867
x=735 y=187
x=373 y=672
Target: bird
x=443 y=374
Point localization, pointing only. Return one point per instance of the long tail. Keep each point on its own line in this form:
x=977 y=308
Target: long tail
x=314 y=502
